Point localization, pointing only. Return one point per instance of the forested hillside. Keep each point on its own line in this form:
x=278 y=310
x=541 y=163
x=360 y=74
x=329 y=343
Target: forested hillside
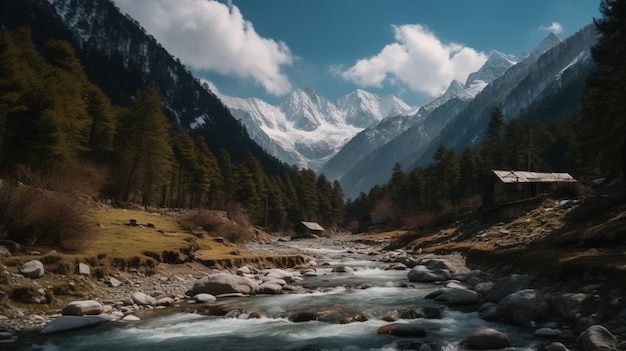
x=53 y=119
x=556 y=134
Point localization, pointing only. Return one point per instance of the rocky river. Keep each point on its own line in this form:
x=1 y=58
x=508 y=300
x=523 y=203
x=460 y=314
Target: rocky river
x=348 y=296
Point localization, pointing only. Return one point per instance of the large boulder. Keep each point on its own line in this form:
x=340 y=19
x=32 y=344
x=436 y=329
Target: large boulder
x=438 y=263
x=32 y=269
x=486 y=339
x=523 y=307
x=224 y=283
x=597 y=337
x=507 y=285
x=143 y=299
x=272 y=274
x=270 y=288
x=81 y=308
x=65 y=323
x=574 y=306
x=423 y=274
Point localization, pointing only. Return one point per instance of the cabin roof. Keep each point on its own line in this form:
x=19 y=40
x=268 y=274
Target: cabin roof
x=312 y=226
x=532 y=177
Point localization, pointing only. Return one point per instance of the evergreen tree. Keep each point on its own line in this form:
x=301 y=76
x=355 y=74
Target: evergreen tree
x=102 y=132
x=602 y=127
x=493 y=151
x=143 y=146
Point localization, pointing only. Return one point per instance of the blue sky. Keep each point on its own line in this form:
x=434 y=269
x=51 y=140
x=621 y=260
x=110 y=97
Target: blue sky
x=410 y=48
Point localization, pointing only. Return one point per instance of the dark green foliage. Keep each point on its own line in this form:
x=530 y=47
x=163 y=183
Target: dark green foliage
x=601 y=129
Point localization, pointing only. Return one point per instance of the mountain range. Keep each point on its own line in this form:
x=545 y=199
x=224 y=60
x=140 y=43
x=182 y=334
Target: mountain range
x=360 y=137
x=307 y=129
x=355 y=139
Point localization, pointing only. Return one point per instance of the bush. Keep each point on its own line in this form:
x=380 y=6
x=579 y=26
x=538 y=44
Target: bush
x=217 y=223
x=34 y=216
x=74 y=178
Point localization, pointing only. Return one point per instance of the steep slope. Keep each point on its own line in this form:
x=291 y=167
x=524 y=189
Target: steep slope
x=307 y=129
x=120 y=57
x=359 y=174
x=515 y=91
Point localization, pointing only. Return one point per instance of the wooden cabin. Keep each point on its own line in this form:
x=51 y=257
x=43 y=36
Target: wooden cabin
x=308 y=230
x=510 y=186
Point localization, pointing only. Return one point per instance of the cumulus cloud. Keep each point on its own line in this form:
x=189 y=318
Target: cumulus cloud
x=555 y=28
x=209 y=35
x=418 y=59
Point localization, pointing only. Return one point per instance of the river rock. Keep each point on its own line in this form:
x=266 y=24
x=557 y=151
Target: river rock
x=343 y=269
x=423 y=274
x=486 y=339
x=458 y=297
x=224 y=283
x=402 y=329
x=270 y=288
x=203 y=298
x=574 y=306
x=489 y=312
x=597 y=337
x=81 y=308
x=507 y=285
x=165 y=301
x=278 y=274
x=131 y=318
x=65 y=323
x=143 y=299
x=438 y=263
x=32 y=269
x=112 y=282
x=546 y=332
x=304 y=316
x=523 y=307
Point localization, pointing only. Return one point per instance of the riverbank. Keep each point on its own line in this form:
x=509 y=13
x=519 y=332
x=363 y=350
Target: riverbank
x=537 y=245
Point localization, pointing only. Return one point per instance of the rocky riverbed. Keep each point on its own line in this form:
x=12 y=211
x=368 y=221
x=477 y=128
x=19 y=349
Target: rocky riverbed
x=581 y=314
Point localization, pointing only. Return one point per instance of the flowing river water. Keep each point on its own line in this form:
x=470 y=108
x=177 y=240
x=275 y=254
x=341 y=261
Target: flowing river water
x=369 y=291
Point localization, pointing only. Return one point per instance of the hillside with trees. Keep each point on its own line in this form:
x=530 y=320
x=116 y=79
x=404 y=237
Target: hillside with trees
x=57 y=125
x=586 y=139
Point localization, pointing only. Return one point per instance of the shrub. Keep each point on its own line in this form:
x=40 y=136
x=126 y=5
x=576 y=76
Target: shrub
x=75 y=178
x=35 y=216
x=217 y=223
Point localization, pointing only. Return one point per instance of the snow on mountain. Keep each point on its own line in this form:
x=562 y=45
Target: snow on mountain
x=307 y=129
x=387 y=143
x=494 y=67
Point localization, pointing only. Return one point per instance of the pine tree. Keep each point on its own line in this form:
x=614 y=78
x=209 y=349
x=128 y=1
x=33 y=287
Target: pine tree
x=492 y=150
x=143 y=146
x=602 y=127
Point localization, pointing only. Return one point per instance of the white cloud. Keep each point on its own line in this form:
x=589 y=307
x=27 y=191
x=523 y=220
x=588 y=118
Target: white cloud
x=209 y=35
x=418 y=59
x=555 y=28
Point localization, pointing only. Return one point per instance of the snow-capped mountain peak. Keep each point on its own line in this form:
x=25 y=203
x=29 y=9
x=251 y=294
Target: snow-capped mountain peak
x=307 y=129
x=494 y=67
x=550 y=41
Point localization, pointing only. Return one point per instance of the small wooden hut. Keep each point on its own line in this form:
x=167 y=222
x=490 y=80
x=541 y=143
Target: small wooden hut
x=509 y=186
x=308 y=229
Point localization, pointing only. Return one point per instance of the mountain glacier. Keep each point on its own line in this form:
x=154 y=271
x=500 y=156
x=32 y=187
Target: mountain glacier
x=307 y=129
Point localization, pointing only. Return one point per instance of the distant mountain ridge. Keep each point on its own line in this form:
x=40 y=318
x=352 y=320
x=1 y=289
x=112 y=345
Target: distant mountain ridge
x=460 y=122
x=307 y=129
